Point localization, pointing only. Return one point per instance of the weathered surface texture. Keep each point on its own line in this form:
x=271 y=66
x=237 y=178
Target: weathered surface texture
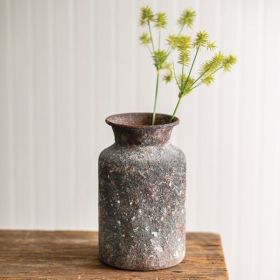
x=142 y=190
x=74 y=255
x=142 y=207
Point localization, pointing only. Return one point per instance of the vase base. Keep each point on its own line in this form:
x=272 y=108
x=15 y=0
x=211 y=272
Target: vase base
x=143 y=267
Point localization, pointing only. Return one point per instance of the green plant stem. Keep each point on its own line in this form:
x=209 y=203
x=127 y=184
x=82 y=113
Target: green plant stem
x=181 y=30
x=149 y=49
x=176 y=108
x=157 y=80
x=201 y=76
x=192 y=65
x=150 y=31
x=182 y=80
x=190 y=71
x=159 y=39
x=175 y=76
x=155 y=100
x=180 y=98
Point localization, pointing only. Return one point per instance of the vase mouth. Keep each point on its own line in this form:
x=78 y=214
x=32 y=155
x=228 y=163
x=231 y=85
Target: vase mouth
x=141 y=120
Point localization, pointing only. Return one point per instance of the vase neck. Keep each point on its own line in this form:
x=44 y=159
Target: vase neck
x=136 y=128
x=141 y=136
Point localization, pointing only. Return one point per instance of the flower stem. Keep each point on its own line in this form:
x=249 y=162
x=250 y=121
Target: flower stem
x=175 y=76
x=151 y=35
x=192 y=64
x=159 y=40
x=155 y=100
x=176 y=108
x=182 y=75
x=201 y=76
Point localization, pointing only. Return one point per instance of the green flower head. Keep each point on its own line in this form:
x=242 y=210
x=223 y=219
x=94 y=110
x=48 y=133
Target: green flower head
x=168 y=76
x=188 y=75
x=145 y=39
x=160 y=20
x=146 y=15
x=208 y=80
x=159 y=57
x=211 y=46
x=181 y=43
x=214 y=63
x=187 y=18
x=201 y=39
x=228 y=62
x=184 y=57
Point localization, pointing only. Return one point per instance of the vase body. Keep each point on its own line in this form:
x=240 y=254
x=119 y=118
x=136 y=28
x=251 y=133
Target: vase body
x=142 y=189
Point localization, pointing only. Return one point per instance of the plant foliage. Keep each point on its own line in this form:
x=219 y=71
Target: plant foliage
x=186 y=49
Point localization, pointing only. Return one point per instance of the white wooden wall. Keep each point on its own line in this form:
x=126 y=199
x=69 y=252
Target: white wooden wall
x=66 y=65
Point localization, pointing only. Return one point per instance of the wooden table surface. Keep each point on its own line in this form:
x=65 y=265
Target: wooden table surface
x=74 y=255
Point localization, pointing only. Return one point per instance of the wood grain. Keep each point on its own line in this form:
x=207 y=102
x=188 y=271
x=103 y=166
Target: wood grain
x=74 y=255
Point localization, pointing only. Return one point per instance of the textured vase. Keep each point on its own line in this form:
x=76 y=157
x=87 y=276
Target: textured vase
x=142 y=188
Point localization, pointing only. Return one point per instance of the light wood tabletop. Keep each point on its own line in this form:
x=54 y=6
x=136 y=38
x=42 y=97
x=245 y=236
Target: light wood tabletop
x=74 y=255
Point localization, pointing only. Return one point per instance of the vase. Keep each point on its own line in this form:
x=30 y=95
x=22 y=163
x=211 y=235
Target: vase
x=142 y=188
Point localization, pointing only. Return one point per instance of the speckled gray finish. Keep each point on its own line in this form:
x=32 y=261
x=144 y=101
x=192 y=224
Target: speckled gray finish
x=142 y=188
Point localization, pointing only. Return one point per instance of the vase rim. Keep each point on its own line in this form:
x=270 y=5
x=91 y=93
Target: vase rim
x=141 y=120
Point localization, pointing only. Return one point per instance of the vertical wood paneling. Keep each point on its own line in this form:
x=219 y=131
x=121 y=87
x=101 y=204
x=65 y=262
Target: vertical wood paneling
x=62 y=113
x=124 y=49
x=104 y=69
x=30 y=90
x=22 y=108
x=248 y=133
x=228 y=151
x=83 y=105
x=42 y=106
x=11 y=121
x=255 y=268
x=269 y=222
x=6 y=121
x=134 y=61
x=51 y=116
x=72 y=104
x=93 y=152
x=66 y=65
x=207 y=125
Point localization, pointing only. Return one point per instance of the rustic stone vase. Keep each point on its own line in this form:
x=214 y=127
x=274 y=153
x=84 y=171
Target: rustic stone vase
x=142 y=187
